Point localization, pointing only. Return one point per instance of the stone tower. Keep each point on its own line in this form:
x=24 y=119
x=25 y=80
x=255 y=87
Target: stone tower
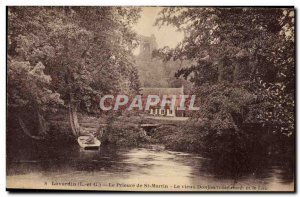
x=147 y=45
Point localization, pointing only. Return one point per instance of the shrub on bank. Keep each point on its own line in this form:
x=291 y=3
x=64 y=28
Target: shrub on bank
x=227 y=146
x=181 y=137
x=124 y=134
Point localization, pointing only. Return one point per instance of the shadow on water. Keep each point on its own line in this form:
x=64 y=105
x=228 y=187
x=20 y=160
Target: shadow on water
x=259 y=168
x=154 y=163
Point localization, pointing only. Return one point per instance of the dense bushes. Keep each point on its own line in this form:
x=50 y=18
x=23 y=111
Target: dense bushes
x=124 y=132
x=230 y=148
x=182 y=137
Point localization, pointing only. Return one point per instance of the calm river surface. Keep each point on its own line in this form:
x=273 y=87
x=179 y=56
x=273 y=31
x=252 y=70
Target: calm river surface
x=126 y=168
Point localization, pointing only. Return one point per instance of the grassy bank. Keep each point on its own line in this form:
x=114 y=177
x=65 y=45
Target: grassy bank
x=124 y=131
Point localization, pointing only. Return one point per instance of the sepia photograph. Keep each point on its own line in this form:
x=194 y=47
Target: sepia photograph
x=150 y=98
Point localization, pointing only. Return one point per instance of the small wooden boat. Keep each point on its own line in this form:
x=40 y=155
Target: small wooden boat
x=87 y=142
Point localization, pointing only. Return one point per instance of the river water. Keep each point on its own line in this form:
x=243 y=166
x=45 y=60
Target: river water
x=151 y=169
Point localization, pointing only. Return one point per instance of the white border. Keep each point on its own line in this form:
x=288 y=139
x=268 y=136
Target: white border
x=151 y=2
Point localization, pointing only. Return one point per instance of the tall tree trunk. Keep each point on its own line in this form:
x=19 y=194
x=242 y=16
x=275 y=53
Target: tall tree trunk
x=42 y=125
x=73 y=118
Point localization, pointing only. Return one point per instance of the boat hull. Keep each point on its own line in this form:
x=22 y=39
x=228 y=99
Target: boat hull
x=88 y=146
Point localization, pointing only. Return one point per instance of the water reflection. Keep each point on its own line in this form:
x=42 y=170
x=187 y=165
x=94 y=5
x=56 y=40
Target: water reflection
x=141 y=165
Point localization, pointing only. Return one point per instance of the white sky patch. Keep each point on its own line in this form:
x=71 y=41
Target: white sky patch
x=165 y=36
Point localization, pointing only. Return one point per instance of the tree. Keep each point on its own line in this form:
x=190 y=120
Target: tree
x=79 y=53
x=247 y=47
x=244 y=70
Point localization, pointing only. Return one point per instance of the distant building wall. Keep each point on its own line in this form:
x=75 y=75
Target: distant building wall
x=169 y=92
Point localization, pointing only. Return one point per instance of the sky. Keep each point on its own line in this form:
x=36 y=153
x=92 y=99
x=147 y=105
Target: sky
x=165 y=36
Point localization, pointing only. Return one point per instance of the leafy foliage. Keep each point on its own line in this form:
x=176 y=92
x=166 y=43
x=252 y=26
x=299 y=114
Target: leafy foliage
x=31 y=86
x=244 y=63
x=244 y=76
x=83 y=51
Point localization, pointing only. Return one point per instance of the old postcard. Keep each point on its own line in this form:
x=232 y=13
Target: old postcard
x=194 y=99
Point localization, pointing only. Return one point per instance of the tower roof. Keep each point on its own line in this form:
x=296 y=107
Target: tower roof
x=162 y=91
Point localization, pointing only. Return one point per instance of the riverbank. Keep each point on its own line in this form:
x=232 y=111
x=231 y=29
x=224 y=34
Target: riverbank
x=228 y=148
x=175 y=150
